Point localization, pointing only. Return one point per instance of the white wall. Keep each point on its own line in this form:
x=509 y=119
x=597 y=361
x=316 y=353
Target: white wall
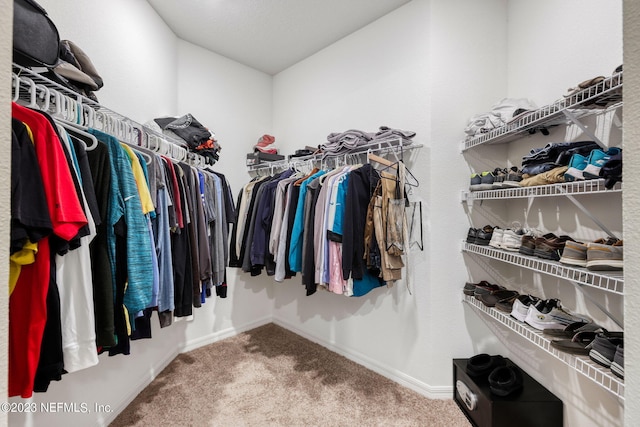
x=405 y=70
x=234 y=101
x=132 y=48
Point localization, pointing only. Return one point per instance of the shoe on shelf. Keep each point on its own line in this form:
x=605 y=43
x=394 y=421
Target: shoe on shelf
x=499 y=176
x=513 y=178
x=603 y=349
x=574 y=253
x=573 y=328
x=528 y=242
x=602 y=256
x=475 y=182
x=486 y=181
x=492 y=298
x=549 y=314
x=521 y=306
x=483 y=364
x=597 y=159
x=617 y=366
x=506 y=305
x=485 y=288
x=471 y=235
x=512 y=239
x=505 y=380
x=496 y=237
x=470 y=288
x=579 y=343
x=550 y=248
x=577 y=164
x=483 y=235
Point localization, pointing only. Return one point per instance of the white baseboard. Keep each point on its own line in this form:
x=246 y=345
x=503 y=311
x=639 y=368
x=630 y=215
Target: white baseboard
x=220 y=335
x=432 y=392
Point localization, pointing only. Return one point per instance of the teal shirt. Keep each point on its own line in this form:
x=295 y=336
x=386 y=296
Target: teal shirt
x=125 y=201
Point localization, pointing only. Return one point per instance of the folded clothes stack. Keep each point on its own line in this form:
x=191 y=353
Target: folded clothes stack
x=352 y=140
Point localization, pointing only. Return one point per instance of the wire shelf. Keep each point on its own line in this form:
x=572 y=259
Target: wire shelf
x=582 y=364
x=383 y=146
x=178 y=148
x=611 y=281
x=592 y=186
x=607 y=91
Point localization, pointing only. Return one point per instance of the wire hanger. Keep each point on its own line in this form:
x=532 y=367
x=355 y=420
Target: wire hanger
x=410 y=179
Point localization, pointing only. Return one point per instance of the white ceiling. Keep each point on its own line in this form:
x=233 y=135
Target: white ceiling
x=269 y=35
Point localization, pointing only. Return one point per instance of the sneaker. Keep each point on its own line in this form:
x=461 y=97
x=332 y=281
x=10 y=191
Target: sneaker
x=574 y=253
x=612 y=171
x=499 y=176
x=483 y=235
x=617 y=366
x=549 y=314
x=521 y=306
x=550 y=248
x=486 y=181
x=512 y=239
x=471 y=235
x=597 y=159
x=577 y=164
x=496 y=238
x=605 y=257
x=603 y=349
x=475 y=182
x=513 y=178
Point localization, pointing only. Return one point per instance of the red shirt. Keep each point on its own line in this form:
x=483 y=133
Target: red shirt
x=27 y=304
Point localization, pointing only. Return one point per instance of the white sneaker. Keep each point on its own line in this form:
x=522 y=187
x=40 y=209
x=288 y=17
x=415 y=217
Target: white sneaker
x=511 y=239
x=521 y=306
x=496 y=238
x=549 y=314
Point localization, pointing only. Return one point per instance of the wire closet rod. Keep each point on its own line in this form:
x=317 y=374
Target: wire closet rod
x=38 y=92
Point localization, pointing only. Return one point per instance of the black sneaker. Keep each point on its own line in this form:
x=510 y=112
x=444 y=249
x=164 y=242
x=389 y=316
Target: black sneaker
x=483 y=235
x=513 y=177
x=471 y=235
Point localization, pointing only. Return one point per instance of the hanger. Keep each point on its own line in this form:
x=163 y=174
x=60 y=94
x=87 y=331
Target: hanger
x=15 y=84
x=410 y=179
x=77 y=129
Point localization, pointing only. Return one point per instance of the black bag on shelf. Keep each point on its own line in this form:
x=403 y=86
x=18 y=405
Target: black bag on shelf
x=36 y=42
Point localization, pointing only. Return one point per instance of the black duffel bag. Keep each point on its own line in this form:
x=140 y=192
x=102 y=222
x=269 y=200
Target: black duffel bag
x=36 y=42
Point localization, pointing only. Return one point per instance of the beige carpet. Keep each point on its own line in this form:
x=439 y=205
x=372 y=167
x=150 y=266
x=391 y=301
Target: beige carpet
x=270 y=376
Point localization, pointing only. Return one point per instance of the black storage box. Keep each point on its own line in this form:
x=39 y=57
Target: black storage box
x=260 y=157
x=532 y=406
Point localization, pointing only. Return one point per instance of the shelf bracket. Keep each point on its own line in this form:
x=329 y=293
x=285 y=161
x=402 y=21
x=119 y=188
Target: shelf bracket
x=582 y=127
x=589 y=214
x=615 y=320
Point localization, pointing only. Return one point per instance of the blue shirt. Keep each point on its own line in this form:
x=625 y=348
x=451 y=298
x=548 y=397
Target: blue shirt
x=125 y=201
x=295 y=249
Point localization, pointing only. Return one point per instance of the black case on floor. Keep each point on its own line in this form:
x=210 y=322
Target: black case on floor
x=533 y=406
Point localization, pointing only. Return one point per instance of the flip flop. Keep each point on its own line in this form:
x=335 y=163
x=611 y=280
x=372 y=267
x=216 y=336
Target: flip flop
x=571 y=329
x=579 y=344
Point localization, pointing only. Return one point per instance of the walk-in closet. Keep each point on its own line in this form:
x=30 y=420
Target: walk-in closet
x=372 y=122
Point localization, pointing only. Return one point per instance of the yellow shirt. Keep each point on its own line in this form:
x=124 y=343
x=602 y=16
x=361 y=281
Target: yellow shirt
x=141 y=181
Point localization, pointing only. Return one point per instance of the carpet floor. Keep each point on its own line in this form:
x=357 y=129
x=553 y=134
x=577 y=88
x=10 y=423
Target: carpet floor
x=270 y=376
